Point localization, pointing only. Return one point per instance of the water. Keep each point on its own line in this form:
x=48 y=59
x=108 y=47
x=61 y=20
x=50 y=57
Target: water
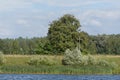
x=58 y=77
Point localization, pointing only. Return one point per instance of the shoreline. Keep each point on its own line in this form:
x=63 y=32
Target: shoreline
x=17 y=64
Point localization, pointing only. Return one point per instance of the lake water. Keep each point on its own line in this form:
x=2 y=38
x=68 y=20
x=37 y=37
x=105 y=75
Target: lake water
x=57 y=77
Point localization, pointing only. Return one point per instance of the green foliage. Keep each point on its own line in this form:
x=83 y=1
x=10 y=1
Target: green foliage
x=1 y=44
x=26 y=69
x=37 y=61
x=17 y=64
x=76 y=58
x=106 y=44
x=44 y=46
x=63 y=33
x=89 y=60
x=72 y=57
x=84 y=42
x=2 y=59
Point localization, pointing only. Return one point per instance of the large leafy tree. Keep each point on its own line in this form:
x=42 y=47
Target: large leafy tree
x=63 y=33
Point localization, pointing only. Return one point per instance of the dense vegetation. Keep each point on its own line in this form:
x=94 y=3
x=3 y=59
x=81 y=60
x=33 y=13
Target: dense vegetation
x=2 y=59
x=100 y=44
x=19 y=64
x=75 y=57
x=63 y=34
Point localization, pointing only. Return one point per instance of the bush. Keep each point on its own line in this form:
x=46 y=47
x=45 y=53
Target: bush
x=114 y=65
x=2 y=59
x=76 y=58
x=72 y=57
x=103 y=63
x=89 y=60
x=37 y=61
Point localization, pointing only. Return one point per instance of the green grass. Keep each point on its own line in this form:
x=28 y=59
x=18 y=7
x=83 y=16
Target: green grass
x=115 y=59
x=18 y=64
x=56 y=69
x=23 y=59
x=16 y=60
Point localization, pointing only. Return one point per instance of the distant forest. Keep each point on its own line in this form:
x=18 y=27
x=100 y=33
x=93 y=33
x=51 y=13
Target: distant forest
x=100 y=44
x=63 y=34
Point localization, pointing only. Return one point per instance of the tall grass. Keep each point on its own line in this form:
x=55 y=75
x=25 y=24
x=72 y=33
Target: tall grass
x=2 y=59
x=56 y=69
x=75 y=57
x=42 y=60
x=18 y=64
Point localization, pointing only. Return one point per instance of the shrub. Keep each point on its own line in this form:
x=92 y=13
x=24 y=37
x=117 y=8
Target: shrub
x=89 y=60
x=113 y=65
x=76 y=58
x=103 y=63
x=37 y=61
x=72 y=57
x=2 y=59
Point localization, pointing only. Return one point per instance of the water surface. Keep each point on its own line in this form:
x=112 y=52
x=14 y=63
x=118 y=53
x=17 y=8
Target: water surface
x=57 y=77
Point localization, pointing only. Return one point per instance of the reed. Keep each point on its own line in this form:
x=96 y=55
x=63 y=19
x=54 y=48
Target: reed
x=18 y=64
x=56 y=69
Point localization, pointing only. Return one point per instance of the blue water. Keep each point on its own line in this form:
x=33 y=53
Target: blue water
x=58 y=77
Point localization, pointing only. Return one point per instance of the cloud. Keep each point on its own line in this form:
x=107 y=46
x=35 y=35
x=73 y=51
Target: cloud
x=32 y=17
x=22 y=22
x=16 y=4
x=67 y=3
x=100 y=21
x=73 y=3
x=8 y=5
x=99 y=15
x=4 y=31
x=95 y=23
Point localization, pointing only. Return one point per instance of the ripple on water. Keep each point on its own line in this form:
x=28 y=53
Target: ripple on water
x=57 y=77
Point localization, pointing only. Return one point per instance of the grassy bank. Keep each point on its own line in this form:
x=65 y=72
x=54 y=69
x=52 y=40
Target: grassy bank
x=18 y=64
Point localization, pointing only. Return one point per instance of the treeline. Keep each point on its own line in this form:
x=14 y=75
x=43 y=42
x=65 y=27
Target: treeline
x=100 y=44
x=19 y=45
x=106 y=44
x=63 y=34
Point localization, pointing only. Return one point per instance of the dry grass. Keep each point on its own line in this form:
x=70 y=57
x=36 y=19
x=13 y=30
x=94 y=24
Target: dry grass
x=22 y=59
x=118 y=56
x=18 y=64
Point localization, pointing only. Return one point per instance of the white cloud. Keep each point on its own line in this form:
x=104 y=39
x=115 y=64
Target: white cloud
x=99 y=17
x=95 y=23
x=32 y=17
x=65 y=3
x=110 y=14
x=72 y=3
x=13 y=4
x=4 y=31
x=100 y=21
x=22 y=22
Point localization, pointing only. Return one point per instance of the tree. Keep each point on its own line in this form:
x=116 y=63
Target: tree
x=1 y=44
x=15 y=47
x=44 y=46
x=63 y=33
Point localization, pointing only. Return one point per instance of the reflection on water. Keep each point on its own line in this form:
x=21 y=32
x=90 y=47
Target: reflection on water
x=58 y=77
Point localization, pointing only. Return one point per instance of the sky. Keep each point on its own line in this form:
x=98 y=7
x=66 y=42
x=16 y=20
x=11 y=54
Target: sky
x=31 y=18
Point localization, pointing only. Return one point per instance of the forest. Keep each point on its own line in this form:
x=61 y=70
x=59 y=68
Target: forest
x=63 y=34
x=99 y=44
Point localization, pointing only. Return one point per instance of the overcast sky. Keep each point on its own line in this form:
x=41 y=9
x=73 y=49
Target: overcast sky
x=31 y=18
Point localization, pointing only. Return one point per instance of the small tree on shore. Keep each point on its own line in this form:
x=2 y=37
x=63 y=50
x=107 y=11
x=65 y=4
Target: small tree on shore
x=2 y=59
